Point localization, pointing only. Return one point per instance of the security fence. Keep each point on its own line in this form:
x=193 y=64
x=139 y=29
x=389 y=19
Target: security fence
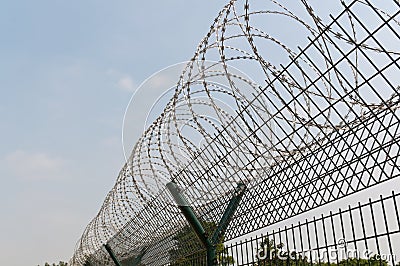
x=313 y=119
x=363 y=234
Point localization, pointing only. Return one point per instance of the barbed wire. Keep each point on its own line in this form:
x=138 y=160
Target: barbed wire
x=280 y=95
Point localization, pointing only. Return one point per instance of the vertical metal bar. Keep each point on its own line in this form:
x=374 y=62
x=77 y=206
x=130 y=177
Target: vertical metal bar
x=252 y=248
x=396 y=209
x=325 y=239
x=375 y=230
x=316 y=240
x=247 y=251
x=275 y=249
x=237 y=253
x=241 y=253
x=353 y=231
x=301 y=244
x=343 y=235
x=334 y=237
x=294 y=246
x=363 y=228
x=387 y=230
x=309 y=242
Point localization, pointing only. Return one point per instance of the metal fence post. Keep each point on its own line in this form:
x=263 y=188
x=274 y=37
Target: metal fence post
x=112 y=255
x=209 y=244
x=194 y=222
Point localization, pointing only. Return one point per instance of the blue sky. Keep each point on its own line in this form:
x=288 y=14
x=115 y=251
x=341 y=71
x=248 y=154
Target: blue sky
x=68 y=69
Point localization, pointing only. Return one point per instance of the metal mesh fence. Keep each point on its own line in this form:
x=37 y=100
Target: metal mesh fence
x=314 y=118
x=362 y=234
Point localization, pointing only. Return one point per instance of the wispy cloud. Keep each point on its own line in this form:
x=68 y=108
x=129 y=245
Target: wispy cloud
x=121 y=80
x=34 y=166
x=163 y=80
x=126 y=83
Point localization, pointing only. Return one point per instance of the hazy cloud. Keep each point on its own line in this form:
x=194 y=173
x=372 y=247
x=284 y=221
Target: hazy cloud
x=127 y=84
x=164 y=80
x=34 y=166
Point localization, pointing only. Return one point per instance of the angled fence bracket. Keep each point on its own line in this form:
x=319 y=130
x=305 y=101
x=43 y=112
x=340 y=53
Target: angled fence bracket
x=194 y=222
x=186 y=209
x=112 y=255
x=228 y=213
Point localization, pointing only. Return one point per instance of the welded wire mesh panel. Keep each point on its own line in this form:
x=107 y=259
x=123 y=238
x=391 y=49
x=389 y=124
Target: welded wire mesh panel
x=364 y=234
x=299 y=100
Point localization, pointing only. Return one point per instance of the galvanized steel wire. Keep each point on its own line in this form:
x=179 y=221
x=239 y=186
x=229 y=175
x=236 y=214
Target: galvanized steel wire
x=303 y=118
